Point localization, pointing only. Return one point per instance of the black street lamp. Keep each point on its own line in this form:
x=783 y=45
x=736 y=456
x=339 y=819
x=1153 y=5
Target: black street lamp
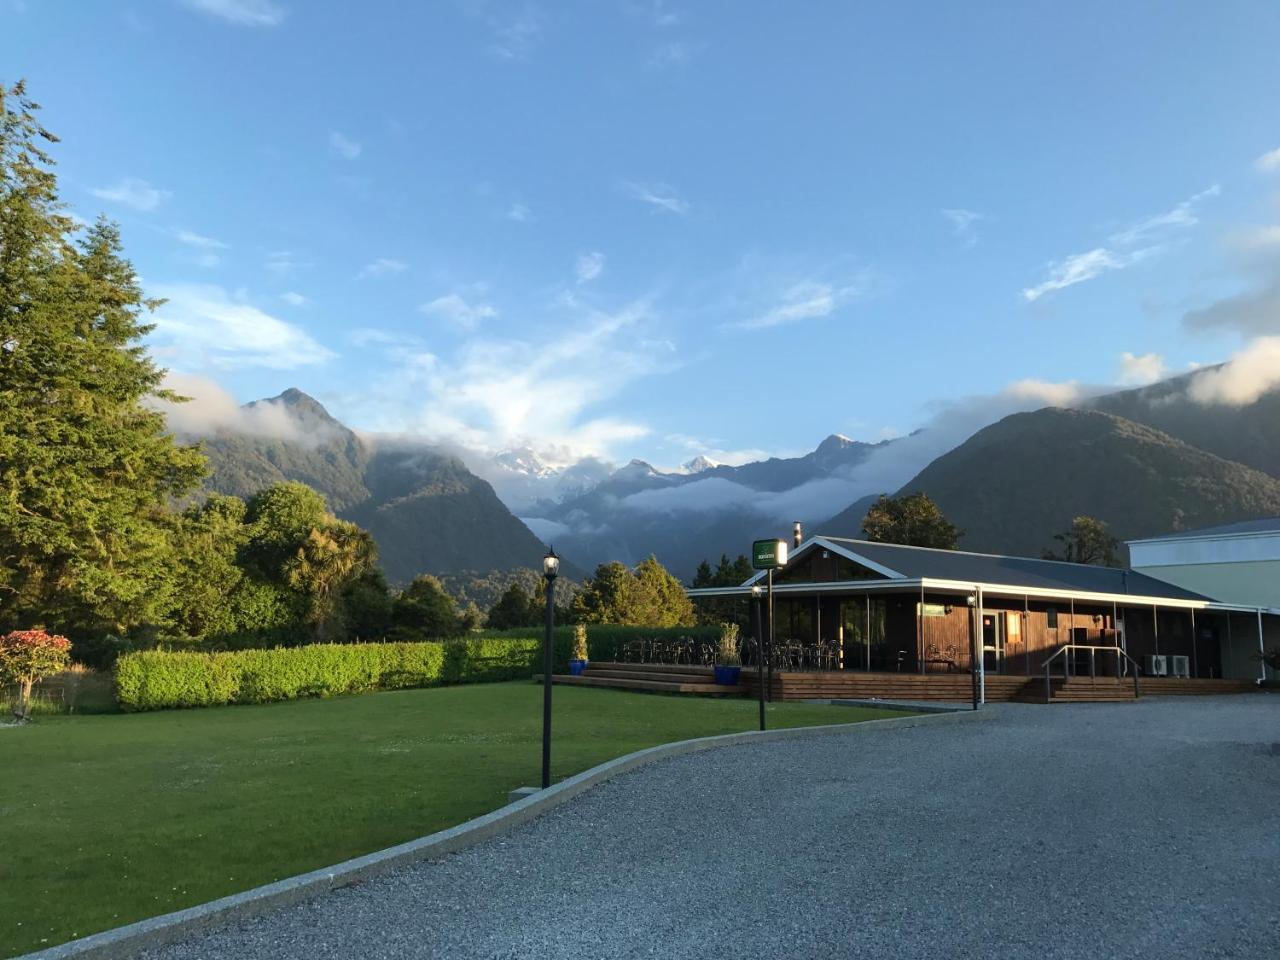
x=550 y=567
x=756 y=592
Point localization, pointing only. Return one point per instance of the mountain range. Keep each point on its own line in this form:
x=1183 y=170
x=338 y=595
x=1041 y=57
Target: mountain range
x=426 y=510
x=1147 y=461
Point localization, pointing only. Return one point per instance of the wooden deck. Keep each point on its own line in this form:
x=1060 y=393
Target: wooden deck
x=857 y=685
x=958 y=687
x=651 y=677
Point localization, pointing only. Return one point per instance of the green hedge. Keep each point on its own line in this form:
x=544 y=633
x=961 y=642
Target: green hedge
x=159 y=680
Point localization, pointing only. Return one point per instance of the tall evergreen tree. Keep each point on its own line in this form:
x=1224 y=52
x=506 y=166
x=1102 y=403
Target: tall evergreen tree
x=86 y=466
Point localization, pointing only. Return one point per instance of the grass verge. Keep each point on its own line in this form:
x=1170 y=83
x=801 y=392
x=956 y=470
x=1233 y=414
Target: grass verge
x=109 y=819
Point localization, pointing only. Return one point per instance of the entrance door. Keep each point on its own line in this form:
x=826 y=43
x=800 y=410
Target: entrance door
x=993 y=637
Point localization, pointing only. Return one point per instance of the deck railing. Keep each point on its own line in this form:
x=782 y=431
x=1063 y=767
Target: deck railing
x=1119 y=652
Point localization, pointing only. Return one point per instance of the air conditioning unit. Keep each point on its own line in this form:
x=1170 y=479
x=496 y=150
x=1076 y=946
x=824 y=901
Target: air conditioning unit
x=1157 y=666
x=1179 y=666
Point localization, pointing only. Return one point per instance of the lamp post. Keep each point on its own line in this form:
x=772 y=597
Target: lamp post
x=756 y=593
x=550 y=567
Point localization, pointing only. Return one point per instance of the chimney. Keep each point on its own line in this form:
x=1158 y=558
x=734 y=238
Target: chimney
x=797 y=535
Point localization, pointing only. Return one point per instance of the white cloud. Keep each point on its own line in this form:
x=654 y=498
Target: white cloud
x=201 y=242
x=294 y=299
x=284 y=262
x=660 y=196
x=201 y=326
x=1244 y=378
x=675 y=53
x=516 y=29
x=495 y=394
x=245 y=13
x=382 y=267
x=519 y=213
x=1124 y=248
x=344 y=146
x=808 y=300
x=458 y=311
x=962 y=224
x=1269 y=162
x=1138 y=370
x=209 y=409
x=589 y=266
x=133 y=192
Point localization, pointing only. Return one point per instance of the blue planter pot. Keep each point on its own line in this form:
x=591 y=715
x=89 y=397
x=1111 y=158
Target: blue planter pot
x=727 y=676
x=577 y=666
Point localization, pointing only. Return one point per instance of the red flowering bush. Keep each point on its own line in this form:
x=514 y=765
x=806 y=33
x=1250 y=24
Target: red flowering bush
x=30 y=655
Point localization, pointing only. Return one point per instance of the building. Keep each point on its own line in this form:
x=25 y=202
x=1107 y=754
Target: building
x=1234 y=563
x=846 y=607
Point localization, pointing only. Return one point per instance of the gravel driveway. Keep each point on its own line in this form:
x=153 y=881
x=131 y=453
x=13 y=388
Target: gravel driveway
x=1147 y=829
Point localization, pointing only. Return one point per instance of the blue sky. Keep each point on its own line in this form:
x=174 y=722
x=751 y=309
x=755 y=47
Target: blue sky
x=658 y=229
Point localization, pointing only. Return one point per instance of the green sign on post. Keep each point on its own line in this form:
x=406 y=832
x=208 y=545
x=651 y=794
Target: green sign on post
x=768 y=554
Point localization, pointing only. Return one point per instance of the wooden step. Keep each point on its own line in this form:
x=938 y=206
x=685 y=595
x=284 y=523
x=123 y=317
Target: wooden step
x=653 y=686
x=638 y=674
x=690 y=668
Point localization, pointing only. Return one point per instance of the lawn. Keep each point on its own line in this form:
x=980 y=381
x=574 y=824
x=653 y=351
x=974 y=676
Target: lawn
x=109 y=819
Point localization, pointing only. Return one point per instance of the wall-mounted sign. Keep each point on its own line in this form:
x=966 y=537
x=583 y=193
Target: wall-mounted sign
x=768 y=554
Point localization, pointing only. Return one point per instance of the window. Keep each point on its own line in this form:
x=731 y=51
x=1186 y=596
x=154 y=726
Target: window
x=1051 y=618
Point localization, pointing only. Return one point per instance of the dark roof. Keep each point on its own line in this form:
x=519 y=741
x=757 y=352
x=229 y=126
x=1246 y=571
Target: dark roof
x=1265 y=525
x=919 y=562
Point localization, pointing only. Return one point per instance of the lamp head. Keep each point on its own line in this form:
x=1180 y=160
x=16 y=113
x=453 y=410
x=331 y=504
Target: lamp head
x=757 y=591
x=550 y=564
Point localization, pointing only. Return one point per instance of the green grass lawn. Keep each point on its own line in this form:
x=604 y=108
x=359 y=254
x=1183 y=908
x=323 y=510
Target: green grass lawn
x=109 y=819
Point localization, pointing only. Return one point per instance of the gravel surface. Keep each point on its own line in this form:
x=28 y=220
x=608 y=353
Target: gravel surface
x=1147 y=829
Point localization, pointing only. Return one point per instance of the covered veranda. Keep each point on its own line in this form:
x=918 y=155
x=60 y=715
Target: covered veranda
x=851 y=615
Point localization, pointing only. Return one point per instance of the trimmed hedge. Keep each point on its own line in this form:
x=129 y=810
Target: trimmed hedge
x=159 y=680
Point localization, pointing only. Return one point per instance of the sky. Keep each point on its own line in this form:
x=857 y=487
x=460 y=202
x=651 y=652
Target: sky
x=660 y=229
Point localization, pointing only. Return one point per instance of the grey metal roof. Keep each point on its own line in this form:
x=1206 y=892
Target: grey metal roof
x=924 y=562
x=1264 y=525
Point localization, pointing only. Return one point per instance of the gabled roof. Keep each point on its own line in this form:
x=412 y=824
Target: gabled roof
x=899 y=562
x=1243 y=528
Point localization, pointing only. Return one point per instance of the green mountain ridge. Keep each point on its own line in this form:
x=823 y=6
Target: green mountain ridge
x=1014 y=484
x=427 y=512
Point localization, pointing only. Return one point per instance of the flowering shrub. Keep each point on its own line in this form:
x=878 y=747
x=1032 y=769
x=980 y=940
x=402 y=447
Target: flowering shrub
x=580 y=642
x=30 y=655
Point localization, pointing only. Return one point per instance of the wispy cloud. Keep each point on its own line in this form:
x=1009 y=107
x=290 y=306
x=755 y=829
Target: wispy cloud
x=245 y=13
x=382 y=267
x=1135 y=243
x=1269 y=162
x=202 y=326
x=458 y=311
x=589 y=266
x=519 y=213
x=344 y=146
x=494 y=394
x=660 y=196
x=808 y=299
x=284 y=262
x=294 y=299
x=197 y=240
x=1138 y=370
x=963 y=224
x=672 y=54
x=133 y=192
x=515 y=28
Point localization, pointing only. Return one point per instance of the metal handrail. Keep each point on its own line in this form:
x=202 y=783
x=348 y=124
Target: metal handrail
x=1118 y=650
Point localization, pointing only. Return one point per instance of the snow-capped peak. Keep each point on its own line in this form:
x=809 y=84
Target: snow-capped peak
x=697 y=465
